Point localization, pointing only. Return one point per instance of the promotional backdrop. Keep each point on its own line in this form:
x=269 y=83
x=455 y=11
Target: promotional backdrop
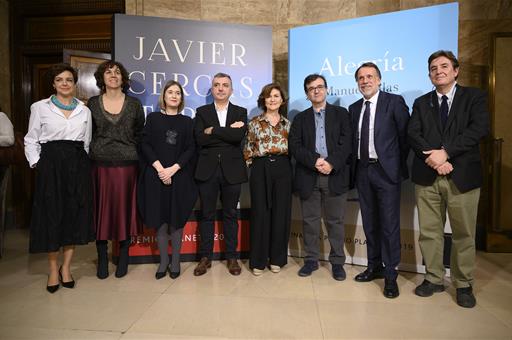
x=400 y=44
x=155 y=50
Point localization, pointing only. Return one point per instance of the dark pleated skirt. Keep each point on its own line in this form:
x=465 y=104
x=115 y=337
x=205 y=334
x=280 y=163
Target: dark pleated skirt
x=62 y=209
x=115 y=204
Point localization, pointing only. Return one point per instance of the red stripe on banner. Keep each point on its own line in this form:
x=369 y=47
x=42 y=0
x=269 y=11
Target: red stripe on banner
x=146 y=244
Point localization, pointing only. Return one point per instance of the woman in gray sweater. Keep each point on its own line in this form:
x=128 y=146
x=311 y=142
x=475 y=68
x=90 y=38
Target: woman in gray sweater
x=118 y=121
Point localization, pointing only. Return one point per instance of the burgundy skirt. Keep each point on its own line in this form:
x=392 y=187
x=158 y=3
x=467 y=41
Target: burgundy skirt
x=115 y=206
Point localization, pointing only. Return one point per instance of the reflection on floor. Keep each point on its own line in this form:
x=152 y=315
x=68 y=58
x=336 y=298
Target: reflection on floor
x=218 y=305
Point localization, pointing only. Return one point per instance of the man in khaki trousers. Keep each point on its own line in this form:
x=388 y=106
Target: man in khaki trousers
x=444 y=132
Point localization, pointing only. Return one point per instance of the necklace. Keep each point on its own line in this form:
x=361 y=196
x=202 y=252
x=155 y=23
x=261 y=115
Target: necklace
x=168 y=114
x=271 y=118
x=62 y=106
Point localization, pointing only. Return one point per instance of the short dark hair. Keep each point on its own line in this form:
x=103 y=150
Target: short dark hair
x=223 y=75
x=446 y=54
x=312 y=77
x=57 y=69
x=368 y=64
x=103 y=67
x=265 y=93
x=161 y=98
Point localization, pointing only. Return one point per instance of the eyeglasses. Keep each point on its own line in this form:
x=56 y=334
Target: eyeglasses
x=316 y=88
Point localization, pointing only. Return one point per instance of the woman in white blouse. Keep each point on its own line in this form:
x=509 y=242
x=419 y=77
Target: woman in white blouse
x=56 y=144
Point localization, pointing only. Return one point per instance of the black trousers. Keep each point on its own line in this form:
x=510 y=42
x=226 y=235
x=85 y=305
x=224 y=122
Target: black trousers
x=379 y=199
x=271 y=197
x=229 y=196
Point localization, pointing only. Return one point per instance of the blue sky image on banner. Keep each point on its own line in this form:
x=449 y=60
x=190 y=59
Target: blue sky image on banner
x=399 y=43
x=155 y=50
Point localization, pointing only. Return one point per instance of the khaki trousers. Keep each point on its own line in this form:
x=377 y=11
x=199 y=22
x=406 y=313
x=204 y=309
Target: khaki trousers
x=433 y=203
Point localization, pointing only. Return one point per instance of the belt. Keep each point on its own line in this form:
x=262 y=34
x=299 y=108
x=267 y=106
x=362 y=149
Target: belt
x=370 y=161
x=273 y=157
x=268 y=180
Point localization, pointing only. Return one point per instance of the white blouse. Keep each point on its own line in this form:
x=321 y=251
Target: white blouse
x=48 y=123
x=6 y=131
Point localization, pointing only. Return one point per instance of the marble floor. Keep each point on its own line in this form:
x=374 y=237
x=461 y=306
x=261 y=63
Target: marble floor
x=219 y=306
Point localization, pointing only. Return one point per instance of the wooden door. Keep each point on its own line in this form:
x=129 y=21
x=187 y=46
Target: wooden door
x=499 y=231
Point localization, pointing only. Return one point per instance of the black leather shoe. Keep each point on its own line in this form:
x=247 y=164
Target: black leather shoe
x=338 y=273
x=69 y=284
x=370 y=274
x=427 y=288
x=391 y=288
x=465 y=297
x=159 y=275
x=174 y=275
x=52 y=289
x=308 y=268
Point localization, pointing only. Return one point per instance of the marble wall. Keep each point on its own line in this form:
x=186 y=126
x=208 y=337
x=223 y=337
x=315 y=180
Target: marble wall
x=5 y=80
x=478 y=19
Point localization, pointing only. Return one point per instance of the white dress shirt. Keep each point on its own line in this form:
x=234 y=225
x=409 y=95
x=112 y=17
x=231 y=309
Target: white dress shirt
x=6 y=131
x=450 y=96
x=222 y=115
x=48 y=123
x=371 y=142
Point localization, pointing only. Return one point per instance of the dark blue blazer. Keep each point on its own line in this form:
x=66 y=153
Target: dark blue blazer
x=467 y=124
x=390 y=134
x=223 y=147
x=301 y=144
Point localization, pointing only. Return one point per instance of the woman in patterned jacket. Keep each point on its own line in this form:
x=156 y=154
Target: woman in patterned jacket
x=266 y=152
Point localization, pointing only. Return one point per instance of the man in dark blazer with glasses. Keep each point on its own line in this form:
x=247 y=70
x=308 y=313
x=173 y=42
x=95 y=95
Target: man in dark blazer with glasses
x=320 y=140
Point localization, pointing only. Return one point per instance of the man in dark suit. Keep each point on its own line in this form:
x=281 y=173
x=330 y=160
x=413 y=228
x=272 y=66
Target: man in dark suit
x=379 y=163
x=444 y=132
x=320 y=141
x=219 y=129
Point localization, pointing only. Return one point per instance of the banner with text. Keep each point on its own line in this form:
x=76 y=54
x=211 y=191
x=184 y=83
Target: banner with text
x=400 y=44
x=156 y=50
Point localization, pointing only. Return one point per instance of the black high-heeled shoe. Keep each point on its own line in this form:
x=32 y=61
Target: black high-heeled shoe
x=51 y=289
x=159 y=275
x=174 y=275
x=69 y=284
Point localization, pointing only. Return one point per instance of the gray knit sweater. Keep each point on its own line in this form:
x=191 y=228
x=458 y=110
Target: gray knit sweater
x=115 y=137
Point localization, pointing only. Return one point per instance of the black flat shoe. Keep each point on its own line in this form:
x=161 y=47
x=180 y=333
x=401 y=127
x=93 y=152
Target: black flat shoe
x=465 y=297
x=69 y=284
x=370 y=274
x=427 y=288
x=159 y=275
x=391 y=288
x=174 y=275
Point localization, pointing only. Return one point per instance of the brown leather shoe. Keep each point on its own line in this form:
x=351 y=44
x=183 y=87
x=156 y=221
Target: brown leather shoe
x=234 y=267
x=202 y=266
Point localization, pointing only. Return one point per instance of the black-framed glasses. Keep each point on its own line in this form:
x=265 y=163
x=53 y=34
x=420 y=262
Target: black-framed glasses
x=316 y=88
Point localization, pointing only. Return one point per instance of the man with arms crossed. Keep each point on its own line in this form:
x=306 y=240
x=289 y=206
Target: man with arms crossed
x=380 y=164
x=219 y=130
x=444 y=132
x=320 y=141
